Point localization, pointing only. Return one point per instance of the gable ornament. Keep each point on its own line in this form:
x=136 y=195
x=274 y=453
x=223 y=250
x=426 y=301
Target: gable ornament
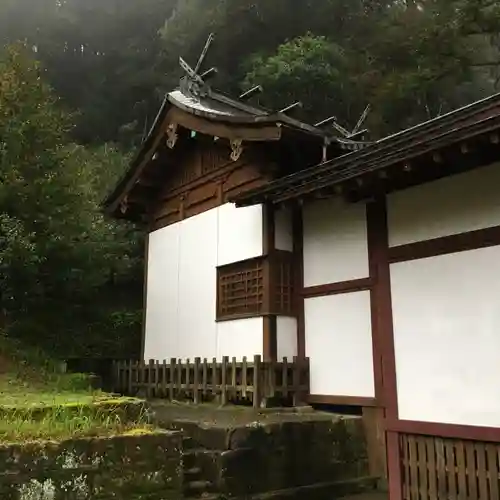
x=172 y=135
x=236 y=149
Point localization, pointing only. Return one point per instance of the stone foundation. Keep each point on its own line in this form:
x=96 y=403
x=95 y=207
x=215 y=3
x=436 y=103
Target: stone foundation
x=134 y=467
x=243 y=453
x=204 y=452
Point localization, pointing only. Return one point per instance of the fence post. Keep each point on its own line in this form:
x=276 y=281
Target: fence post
x=284 y=378
x=234 y=380
x=171 y=388
x=307 y=379
x=164 y=379
x=256 y=382
x=297 y=400
x=157 y=387
x=271 y=391
x=188 y=378
x=244 y=374
x=196 y=388
x=215 y=379
x=225 y=361
x=180 y=391
x=205 y=377
x=149 y=379
x=138 y=376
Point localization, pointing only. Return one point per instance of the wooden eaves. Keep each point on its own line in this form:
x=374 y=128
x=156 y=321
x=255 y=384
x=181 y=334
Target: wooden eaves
x=214 y=114
x=456 y=141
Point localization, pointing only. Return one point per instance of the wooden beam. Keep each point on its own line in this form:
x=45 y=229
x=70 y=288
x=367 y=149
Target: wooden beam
x=257 y=132
x=145 y=296
x=357 y=285
x=383 y=335
x=471 y=240
x=270 y=324
x=450 y=431
x=298 y=257
x=341 y=400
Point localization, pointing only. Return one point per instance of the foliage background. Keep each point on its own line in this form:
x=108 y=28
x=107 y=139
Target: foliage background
x=81 y=81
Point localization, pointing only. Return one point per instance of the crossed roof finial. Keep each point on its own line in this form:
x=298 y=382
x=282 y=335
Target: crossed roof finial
x=195 y=81
x=194 y=84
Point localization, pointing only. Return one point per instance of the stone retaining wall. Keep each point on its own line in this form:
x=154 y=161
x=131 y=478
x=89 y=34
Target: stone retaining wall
x=244 y=454
x=131 y=467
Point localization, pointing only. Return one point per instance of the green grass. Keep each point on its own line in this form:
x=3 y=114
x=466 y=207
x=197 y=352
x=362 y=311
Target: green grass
x=62 y=423
x=39 y=402
x=21 y=392
x=52 y=411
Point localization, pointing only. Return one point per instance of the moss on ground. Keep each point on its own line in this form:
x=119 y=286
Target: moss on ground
x=40 y=402
x=47 y=412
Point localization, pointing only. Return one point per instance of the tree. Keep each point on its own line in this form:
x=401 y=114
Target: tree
x=410 y=61
x=313 y=70
x=102 y=57
x=58 y=254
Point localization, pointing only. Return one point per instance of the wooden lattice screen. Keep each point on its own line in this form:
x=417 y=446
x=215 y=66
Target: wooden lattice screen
x=449 y=469
x=282 y=283
x=240 y=289
x=263 y=285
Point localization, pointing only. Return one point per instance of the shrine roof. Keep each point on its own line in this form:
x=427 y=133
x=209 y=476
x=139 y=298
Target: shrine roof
x=461 y=126
x=231 y=119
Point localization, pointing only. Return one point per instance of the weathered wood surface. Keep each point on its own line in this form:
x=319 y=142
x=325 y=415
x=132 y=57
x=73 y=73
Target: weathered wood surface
x=230 y=381
x=436 y=468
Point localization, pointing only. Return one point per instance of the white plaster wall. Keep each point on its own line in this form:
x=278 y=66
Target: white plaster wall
x=162 y=294
x=283 y=229
x=181 y=288
x=452 y=205
x=446 y=331
x=240 y=233
x=240 y=338
x=339 y=345
x=335 y=242
x=198 y=286
x=286 y=337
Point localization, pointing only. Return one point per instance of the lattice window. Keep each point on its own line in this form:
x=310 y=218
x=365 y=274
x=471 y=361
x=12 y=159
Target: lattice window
x=240 y=289
x=283 y=283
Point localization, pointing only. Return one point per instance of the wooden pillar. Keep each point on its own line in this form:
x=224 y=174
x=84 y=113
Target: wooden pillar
x=383 y=344
x=270 y=342
x=298 y=266
x=145 y=296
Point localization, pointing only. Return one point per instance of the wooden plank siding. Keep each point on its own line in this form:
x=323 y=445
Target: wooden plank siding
x=435 y=468
x=204 y=179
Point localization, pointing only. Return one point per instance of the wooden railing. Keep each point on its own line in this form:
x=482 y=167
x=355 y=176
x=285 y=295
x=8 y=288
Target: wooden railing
x=257 y=382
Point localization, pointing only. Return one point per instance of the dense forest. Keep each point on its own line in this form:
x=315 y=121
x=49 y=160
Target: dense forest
x=81 y=81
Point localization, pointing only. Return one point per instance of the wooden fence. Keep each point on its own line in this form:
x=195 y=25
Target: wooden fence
x=440 y=469
x=232 y=381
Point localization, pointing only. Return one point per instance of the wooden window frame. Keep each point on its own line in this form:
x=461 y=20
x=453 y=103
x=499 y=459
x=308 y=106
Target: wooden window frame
x=261 y=286
x=240 y=290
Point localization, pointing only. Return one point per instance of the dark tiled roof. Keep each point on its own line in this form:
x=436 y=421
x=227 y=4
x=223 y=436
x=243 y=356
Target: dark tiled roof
x=477 y=118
